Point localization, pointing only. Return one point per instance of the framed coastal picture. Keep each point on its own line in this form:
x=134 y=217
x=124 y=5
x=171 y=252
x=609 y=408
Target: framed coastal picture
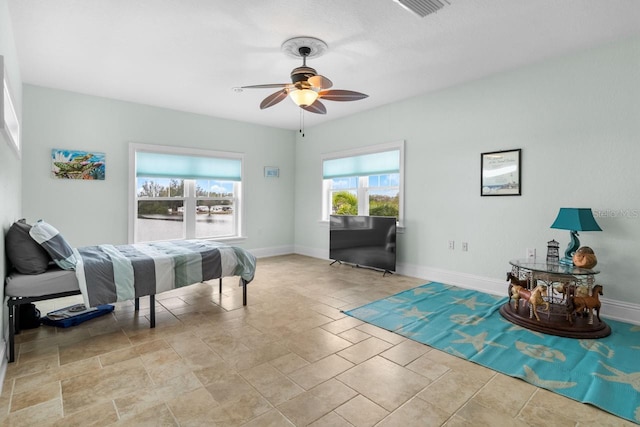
x=271 y=172
x=500 y=173
x=75 y=164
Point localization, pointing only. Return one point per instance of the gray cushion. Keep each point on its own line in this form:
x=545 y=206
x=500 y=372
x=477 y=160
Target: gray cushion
x=53 y=281
x=24 y=253
x=52 y=241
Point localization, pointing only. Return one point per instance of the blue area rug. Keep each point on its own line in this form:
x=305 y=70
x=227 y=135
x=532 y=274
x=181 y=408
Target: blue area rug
x=603 y=372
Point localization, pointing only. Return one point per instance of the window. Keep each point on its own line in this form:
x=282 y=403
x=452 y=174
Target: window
x=9 y=124
x=367 y=182
x=185 y=194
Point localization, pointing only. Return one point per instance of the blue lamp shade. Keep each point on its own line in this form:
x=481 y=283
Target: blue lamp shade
x=574 y=220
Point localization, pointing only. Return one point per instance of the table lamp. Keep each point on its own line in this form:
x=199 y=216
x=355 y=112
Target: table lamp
x=574 y=220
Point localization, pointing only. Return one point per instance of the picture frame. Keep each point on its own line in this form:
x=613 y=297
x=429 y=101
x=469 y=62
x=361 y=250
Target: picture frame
x=271 y=172
x=77 y=164
x=501 y=173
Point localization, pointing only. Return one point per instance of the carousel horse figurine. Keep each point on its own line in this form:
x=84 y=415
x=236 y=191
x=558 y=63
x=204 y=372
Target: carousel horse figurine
x=533 y=297
x=589 y=302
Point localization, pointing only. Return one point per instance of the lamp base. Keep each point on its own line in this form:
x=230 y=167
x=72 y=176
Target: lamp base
x=573 y=246
x=566 y=261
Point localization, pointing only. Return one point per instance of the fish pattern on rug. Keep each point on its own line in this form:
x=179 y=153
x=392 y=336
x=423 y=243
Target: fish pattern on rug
x=604 y=372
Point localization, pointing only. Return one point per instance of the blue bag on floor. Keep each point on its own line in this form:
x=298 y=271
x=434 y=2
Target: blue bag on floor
x=74 y=315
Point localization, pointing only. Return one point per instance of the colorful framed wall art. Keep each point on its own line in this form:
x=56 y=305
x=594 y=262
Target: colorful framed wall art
x=75 y=164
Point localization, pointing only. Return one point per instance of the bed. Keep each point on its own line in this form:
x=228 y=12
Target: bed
x=106 y=274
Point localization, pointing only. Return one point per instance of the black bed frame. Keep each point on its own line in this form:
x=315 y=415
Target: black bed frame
x=14 y=320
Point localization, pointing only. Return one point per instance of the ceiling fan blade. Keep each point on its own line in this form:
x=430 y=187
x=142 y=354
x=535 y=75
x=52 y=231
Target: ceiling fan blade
x=320 y=81
x=267 y=86
x=273 y=99
x=341 y=95
x=317 y=107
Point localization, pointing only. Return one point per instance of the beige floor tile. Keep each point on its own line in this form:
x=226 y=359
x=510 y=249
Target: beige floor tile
x=361 y=412
x=239 y=411
x=288 y=363
x=354 y=335
x=452 y=390
x=364 y=350
x=406 y=352
x=272 y=418
x=159 y=415
x=385 y=383
x=315 y=344
x=93 y=346
x=45 y=413
x=320 y=371
x=317 y=402
x=472 y=411
x=505 y=394
x=97 y=415
x=384 y=335
x=43 y=393
x=271 y=383
x=342 y=325
x=192 y=408
x=105 y=384
x=34 y=381
x=419 y=413
x=427 y=367
x=331 y=420
x=557 y=405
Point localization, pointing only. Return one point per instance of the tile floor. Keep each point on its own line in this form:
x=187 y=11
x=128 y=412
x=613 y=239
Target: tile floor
x=289 y=358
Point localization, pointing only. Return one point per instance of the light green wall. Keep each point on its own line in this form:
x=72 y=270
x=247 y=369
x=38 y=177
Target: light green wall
x=577 y=121
x=10 y=166
x=574 y=117
x=93 y=212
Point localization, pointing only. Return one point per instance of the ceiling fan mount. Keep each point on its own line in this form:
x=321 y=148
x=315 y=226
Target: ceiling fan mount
x=307 y=86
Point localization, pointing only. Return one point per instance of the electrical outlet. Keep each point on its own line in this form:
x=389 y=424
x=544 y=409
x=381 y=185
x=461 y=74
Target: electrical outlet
x=452 y=244
x=465 y=246
x=531 y=253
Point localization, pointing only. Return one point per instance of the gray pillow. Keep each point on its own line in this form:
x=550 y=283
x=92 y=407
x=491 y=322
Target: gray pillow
x=24 y=253
x=56 y=246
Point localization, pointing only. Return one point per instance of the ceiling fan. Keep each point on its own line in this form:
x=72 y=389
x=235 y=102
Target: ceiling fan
x=307 y=87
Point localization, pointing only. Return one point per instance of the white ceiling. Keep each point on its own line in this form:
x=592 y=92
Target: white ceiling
x=189 y=54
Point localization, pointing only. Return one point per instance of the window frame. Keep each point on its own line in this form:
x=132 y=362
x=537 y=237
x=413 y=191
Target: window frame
x=10 y=125
x=190 y=196
x=362 y=191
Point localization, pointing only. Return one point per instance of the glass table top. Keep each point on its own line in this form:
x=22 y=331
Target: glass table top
x=551 y=267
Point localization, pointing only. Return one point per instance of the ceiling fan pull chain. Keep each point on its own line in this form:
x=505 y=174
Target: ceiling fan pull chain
x=302 y=122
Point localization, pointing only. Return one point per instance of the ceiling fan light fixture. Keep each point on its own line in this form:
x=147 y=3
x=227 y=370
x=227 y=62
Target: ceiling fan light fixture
x=303 y=97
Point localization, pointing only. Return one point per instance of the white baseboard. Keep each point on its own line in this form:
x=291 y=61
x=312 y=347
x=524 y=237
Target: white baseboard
x=274 y=251
x=312 y=252
x=611 y=309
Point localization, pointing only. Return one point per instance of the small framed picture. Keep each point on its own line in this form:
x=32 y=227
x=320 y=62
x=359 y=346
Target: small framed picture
x=500 y=173
x=271 y=172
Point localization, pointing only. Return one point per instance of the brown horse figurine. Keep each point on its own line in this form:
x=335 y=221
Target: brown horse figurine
x=589 y=302
x=533 y=297
x=515 y=281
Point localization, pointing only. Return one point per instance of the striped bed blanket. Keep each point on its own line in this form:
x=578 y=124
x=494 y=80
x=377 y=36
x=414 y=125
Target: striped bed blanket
x=110 y=273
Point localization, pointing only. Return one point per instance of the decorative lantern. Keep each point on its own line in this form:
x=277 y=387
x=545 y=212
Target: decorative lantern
x=553 y=251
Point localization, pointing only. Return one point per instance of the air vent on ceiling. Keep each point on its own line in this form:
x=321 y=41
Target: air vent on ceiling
x=422 y=8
